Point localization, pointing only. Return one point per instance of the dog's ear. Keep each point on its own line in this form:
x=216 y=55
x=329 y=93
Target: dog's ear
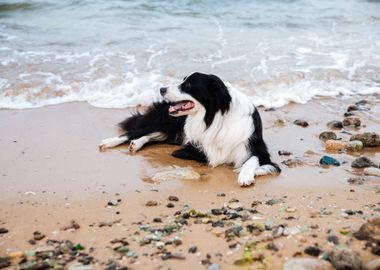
x=220 y=94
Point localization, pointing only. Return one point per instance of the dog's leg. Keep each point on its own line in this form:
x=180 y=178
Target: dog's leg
x=247 y=172
x=189 y=151
x=136 y=144
x=267 y=169
x=112 y=142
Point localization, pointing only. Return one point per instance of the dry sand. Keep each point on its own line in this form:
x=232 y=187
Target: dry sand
x=52 y=172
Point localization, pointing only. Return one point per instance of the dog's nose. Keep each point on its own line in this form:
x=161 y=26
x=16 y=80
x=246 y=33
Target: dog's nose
x=163 y=90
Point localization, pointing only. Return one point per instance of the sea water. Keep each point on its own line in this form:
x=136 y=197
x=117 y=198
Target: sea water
x=117 y=54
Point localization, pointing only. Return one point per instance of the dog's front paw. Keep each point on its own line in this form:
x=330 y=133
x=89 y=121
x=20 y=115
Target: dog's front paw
x=245 y=180
x=106 y=143
x=134 y=146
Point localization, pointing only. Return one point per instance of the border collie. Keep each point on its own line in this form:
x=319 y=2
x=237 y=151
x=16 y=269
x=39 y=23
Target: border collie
x=214 y=124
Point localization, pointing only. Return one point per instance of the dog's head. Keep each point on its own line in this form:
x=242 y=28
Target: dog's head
x=198 y=92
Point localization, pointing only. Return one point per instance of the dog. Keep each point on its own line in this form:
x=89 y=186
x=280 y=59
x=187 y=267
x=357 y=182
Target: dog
x=214 y=124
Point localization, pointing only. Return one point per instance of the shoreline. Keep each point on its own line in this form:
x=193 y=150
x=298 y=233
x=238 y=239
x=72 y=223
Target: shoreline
x=52 y=173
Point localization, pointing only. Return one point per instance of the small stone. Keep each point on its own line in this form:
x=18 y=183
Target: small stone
x=157 y=220
x=351 y=121
x=335 y=145
x=272 y=246
x=345 y=258
x=362 y=162
x=234 y=205
x=358 y=180
x=170 y=205
x=217 y=211
x=278 y=231
x=372 y=171
x=3 y=230
x=327 y=160
x=113 y=202
x=193 y=249
x=292 y=162
x=5 y=262
x=221 y=194
x=327 y=135
x=335 y=125
x=213 y=266
x=301 y=123
x=173 y=198
x=290 y=210
x=38 y=236
x=284 y=153
x=369 y=231
x=151 y=203
x=177 y=242
x=333 y=239
x=272 y=202
x=280 y=122
x=352 y=108
x=79 y=266
x=72 y=226
x=355 y=145
x=307 y=264
x=373 y=265
x=32 y=242
x=313 y=251
x=369 y=139
x=218 y=223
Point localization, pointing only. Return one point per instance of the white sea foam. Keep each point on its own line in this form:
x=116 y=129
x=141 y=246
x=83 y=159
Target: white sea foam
x=275 y=51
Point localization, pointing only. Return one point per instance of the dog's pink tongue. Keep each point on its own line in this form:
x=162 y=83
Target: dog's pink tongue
x=176 y=107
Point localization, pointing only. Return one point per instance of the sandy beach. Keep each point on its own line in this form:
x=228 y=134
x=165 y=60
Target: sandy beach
x=52 y=173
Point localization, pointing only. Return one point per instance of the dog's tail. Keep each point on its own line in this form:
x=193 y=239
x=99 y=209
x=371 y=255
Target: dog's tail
x=266 y=169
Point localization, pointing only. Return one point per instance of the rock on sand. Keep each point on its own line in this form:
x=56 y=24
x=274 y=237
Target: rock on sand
x=176 y=173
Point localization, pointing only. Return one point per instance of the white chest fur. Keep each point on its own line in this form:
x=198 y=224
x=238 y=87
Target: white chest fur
x=225 y=140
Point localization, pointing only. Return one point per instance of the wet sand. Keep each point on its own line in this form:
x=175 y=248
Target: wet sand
x=52 y=172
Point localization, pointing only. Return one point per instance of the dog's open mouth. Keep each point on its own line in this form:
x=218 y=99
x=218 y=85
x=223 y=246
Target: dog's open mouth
x=181 y=106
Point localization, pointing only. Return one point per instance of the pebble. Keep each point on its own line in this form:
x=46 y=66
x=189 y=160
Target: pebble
x=214 y=266
x=369 y=139
x=221 y=194
x=369 y=231
x=351 y=121
x=193 y=249
x=372 y=171
x=333 y=239
x=327 y=135
x=113 y=202
x=355 y=145
x=5 y=262
x=72 y=226
x=177 y=173
x=284 y=153
x=307 y=264
x=292 y=162
x=301 y=123
x=327 y=160
x=373 y=265
x=157 y=220
x=345 y=258
x=335 y=125
x=170 y=205
x=3 y=230
x=234 y=205
x=173 y=198
x=362 y=162
x=352 y=108
x=151 y=203
x=38 y=236
x=313 y=251
x=335 y=145
x=358 y=180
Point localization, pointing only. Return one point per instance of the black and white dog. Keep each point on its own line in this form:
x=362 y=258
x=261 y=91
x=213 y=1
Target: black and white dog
x=215 y=124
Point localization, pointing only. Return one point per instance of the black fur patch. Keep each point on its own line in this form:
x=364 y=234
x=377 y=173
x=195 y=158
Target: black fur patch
x=257 y=145
x=210 y=91
x=189 y=151
x=156 y=119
